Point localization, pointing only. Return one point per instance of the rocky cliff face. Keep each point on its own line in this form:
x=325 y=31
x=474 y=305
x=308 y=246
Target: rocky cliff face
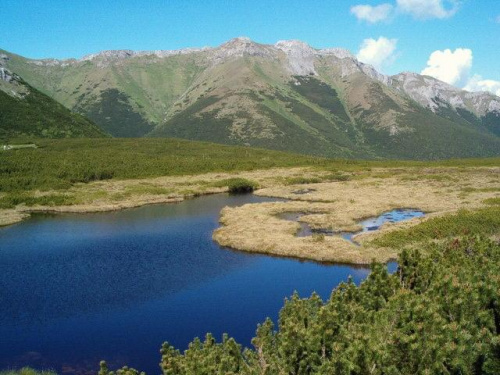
x=10 y=83
x=434 y=94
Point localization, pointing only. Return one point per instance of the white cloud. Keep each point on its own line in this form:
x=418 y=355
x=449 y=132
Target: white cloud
x=426 y=9
x=450 y=67
x=477 y=83
x=454 y=67
x=378 y=53
x=372 y=14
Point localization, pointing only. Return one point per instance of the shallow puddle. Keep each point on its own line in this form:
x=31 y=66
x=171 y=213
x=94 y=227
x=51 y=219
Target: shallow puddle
x=368 y=225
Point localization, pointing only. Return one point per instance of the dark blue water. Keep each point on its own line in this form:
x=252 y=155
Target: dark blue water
x=75 y=289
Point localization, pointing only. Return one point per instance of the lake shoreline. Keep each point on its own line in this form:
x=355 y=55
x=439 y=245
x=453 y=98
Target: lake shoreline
x=328 y=204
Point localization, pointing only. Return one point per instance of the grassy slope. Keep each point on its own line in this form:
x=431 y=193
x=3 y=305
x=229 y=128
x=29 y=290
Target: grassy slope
x=312 y=117
x=147 y=86
x=115 y=115
x=315 y=117
x=37 y=115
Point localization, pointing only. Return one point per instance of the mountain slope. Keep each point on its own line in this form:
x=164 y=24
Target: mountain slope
x=287 y=96
x=24 y=111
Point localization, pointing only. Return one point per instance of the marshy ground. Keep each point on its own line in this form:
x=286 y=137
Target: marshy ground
x=448 y=196
x=326 y=201
x=331 y=195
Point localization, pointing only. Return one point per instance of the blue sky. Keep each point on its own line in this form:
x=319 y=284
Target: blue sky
x=411 y=29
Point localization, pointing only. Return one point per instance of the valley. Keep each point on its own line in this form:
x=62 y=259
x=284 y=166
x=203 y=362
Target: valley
x=332 y=194
x=81 y=278
x=328 y=205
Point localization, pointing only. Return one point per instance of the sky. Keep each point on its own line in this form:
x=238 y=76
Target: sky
x=457 y=41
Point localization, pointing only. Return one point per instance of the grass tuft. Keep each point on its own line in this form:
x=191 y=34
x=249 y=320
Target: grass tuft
x=238 y=185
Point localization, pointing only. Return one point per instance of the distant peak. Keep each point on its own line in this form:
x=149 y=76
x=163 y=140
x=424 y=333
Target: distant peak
x=300 y=56
x=340 y=53
x=244 y=39
x=292 y=44
x=118 y=54
x=241 y=40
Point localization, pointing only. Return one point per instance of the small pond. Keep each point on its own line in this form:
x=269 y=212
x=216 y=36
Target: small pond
x=75 y=289
x=368 y=225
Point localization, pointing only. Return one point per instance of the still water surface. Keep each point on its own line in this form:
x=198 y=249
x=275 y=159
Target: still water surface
x=75 y=289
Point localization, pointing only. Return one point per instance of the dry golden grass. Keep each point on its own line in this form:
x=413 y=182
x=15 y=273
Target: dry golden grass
x=341 y=205
x=332 y=205
x=113 y=195
x=8 y=217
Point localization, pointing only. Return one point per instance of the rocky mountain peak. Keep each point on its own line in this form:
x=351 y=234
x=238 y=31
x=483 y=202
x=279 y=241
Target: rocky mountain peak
x=435 y=94
x=339 y=53
x=238 y=40
x=294 y=44
x=300 y=56
x=238 y=47
x=110 y=54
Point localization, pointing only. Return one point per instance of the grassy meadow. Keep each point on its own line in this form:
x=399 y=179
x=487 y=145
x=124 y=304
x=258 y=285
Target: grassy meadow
x=84 y=175
x=60 y=163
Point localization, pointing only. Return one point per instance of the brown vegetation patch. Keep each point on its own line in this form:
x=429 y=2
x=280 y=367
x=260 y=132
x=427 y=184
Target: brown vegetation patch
x=341 y=205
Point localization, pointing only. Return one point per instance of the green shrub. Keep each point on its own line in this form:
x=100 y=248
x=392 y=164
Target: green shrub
x=438 y=314
x=240 y=185
x=484 y=221
x=14 y=199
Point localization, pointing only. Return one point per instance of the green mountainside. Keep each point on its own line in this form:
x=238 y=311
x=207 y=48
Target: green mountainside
x=286 y=96
x=26 y=112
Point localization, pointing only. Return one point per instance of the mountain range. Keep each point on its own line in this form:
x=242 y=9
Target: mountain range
x=286 y=96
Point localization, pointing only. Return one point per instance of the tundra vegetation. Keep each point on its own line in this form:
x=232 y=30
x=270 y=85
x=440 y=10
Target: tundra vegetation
x=456 y=201
x=82 y=175
x=439 y=313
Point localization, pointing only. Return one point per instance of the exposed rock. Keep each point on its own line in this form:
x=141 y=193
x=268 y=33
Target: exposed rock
x=113 y=54
x=339 y=53
x=435 y=94
x=5 y=75
x=300 y=56
x=167 y=53
x=239 y=47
